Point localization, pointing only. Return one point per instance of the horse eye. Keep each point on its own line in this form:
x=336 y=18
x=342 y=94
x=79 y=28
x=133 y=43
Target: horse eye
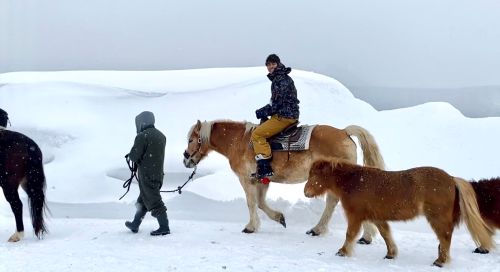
x=190 y=141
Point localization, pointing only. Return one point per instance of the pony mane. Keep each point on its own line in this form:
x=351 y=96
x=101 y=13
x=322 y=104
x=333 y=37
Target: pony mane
x=497 y=179
x=249 y=126
x=332 y=164
x=206 y=128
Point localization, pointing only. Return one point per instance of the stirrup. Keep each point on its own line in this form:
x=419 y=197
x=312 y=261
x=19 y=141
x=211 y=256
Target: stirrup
x=262 y=179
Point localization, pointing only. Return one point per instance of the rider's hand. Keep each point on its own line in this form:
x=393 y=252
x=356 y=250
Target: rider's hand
x=261 y=113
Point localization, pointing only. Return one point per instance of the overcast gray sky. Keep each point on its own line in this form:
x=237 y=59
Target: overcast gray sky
x=396 y=43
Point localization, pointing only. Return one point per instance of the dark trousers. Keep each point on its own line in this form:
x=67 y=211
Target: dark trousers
x=150 y=197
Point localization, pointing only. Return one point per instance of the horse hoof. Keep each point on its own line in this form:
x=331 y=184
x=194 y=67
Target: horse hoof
x=340 y=254
x=312 y=233
x=13 y=239
x=389 y=257
x=16 y=237
x=245 y=230
x=282 y=221
x=363 y=241
x=481 y=251
x=438 y=264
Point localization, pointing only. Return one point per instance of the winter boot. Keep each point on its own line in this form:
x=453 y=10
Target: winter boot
x=263 y=167
x=139 y=215
x=163 y=222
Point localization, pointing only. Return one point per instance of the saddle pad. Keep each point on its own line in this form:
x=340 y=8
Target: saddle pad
x=287 y=142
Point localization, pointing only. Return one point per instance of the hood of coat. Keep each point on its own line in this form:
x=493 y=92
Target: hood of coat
x=144 y=120
x=280 y=70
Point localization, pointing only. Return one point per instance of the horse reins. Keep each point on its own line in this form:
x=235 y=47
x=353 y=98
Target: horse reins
x=133 y=174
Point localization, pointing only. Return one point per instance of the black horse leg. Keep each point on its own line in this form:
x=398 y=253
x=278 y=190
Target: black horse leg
x=12 y=196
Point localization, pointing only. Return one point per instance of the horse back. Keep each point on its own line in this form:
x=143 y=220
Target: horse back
x=15 y=148
x=398 y=195
x=488 y=199
x=328 y=142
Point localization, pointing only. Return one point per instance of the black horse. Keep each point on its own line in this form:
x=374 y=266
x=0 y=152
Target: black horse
x=21 y=164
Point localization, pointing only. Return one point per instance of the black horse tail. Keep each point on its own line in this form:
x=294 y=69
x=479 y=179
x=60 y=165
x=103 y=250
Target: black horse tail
x=35 y=188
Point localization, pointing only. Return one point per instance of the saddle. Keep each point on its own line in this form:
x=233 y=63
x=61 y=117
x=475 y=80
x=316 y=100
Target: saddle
x=292 y=138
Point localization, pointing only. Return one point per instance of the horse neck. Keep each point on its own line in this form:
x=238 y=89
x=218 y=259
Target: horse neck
x=227 y=137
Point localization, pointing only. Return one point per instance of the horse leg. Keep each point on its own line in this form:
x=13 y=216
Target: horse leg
x=444 y=231
x=369 y=230
x=353 y=227
x=12 y=196
x=322 y=226
x=385 y=232
x=251 y=196
x=262 y=204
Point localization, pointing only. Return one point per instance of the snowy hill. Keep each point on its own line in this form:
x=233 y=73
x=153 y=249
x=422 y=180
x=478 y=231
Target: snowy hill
x=84 y=123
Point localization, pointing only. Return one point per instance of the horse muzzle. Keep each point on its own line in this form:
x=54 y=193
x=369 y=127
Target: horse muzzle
x=308 y=193
x=188 y=161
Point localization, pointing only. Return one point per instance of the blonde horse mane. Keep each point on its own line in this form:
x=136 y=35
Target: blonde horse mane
x=206 y=128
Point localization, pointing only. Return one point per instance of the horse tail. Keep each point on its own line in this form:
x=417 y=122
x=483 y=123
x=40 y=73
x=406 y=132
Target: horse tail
x=35 y=188
x=480 y=232
x=371 y=152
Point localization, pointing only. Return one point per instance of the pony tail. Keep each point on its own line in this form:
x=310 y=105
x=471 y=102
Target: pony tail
x=35 y=188
x=371 y=152
x=480 y=232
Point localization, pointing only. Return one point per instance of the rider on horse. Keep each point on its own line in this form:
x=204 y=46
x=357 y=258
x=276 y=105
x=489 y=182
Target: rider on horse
x=283 y=109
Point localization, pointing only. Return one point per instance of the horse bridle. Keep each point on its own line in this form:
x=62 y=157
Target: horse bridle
x=189 y=157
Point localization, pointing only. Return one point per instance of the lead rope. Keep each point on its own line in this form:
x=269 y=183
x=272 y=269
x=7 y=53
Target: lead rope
x=133 y=174
x=132 y=166
x=179 y=188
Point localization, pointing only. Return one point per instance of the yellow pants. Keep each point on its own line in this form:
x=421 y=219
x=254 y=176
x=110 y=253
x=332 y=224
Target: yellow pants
x=268 y=129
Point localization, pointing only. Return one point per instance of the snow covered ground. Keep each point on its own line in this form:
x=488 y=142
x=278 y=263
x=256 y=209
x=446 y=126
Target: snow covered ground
x=84 y=123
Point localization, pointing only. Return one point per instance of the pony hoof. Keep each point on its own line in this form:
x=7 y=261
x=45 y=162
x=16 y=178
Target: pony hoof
x=282 y=221
x=438 y=264
x=340 y=254
x=245 y=230
x=363 y=241
x=389 y=257
x=481 y=251
x=312 y=233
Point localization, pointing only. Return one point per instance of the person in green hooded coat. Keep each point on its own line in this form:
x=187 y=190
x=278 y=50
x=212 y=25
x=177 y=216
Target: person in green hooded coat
x=148 y=153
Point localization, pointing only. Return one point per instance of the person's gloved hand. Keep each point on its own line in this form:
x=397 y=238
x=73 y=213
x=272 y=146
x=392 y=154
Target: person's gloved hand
x=263 y=112
x=262 y=120
x=260 y=113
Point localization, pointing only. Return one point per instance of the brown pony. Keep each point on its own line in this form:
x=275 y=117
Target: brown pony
x=21 y=164
x=488 y=199
x=372 y=194
x=232 y=139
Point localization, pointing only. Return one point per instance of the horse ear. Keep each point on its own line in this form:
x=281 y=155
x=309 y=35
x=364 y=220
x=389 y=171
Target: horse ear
x=198 y=124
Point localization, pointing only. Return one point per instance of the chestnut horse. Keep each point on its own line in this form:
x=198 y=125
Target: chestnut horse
x=488 y=199
x=232 y=139
x=21 y=164
x=372 y=194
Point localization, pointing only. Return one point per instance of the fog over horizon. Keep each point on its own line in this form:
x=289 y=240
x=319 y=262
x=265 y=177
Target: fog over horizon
x=367 y=45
